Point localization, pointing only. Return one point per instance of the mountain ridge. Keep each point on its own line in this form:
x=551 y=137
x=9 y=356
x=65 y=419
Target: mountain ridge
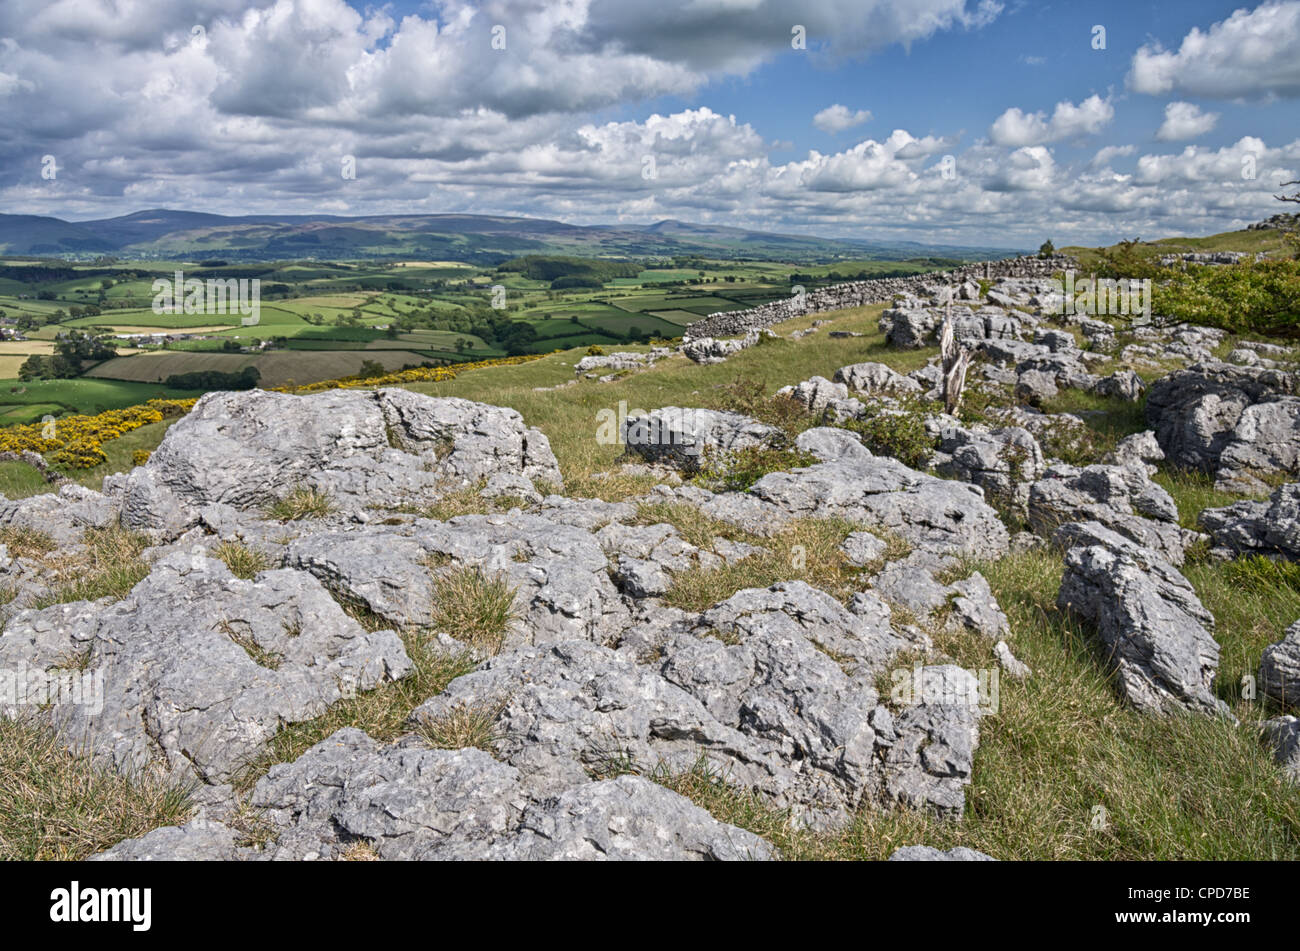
x=485 y=239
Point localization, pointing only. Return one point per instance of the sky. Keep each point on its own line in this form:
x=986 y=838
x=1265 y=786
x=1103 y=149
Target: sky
x=978 y=122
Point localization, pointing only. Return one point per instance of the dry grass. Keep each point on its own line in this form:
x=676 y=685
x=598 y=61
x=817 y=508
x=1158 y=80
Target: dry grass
x=359 y=851
x=694 y=526
x=381 y=712
x=465 y=500
x=255 y=651
x=24 y=542
x=56 y=805
x=804 y=550
x=464 y=725
x=109 y=566
x=473 y=607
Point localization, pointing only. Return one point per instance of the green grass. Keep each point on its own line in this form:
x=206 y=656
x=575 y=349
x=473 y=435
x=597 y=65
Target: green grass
x=243 y=562
x=473 y=606
x=109 y=567
x=28 y=402
x=301 y=502
x=1193 y=492
x=18 y=480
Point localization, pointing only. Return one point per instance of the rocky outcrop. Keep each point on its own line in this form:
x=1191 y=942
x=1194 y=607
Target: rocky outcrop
x=681 y=437
x=1155 y=629
x=199 y=670
x=1002 y=461
x=1012 y=274
x=1139 y=449
x=1270 y=528
x=404 y=802
x=875 y=378
x=1122 y=498
x=925 y=853
x=1232 y=421
x=940 y=515
x=708 y=350
x=363 y=449
x=559 y=573
x=1279 y=669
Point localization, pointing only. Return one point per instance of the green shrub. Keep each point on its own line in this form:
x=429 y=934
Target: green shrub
x=1260 y=297
x=897 y=432
x=737 y=469
x=748 y=396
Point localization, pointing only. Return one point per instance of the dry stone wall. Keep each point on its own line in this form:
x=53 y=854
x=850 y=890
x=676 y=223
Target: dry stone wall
x=859 y=293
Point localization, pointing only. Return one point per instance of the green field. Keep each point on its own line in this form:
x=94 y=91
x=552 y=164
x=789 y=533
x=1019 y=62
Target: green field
x=277 y=368
x=322 y=319
x=30 y=402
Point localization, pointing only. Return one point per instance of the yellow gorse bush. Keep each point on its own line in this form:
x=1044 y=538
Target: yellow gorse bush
x=76 y=442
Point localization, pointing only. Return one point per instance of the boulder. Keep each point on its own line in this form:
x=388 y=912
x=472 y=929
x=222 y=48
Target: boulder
x=1003 y=461
x=680 y=437
x=1270 y=528
x=1279 y=669
x=939 y=515
x=1154 y=627
x=1139 y=449
x=909 y=329
x=1197 y=414
x=560 y=573
x=925 y=853
x=199 y=670
x=365 y=449
x=1122 y=498
x=1283 y=734
x=874 y=378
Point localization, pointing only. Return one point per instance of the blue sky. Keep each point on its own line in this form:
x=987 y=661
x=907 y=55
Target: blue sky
x=637 y=110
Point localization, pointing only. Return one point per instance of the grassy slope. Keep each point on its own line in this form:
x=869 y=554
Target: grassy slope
x=1062 y=751
x=1268 y=239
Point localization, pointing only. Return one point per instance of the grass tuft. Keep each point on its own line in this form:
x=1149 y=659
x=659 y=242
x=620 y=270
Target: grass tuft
x=473 y=607
x=243 y=561
x=464 y=725
x=304 y=501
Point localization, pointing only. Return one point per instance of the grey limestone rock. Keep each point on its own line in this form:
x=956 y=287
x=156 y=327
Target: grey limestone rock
x=1157 y=631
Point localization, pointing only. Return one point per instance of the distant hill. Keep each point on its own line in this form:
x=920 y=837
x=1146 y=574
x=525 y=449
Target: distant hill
x=477 y=239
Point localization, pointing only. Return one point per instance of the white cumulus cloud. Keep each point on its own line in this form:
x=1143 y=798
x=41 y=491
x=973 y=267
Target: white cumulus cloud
x=1016 y=128
x=1185 y=120
x=1254 y=54
x=837 y=118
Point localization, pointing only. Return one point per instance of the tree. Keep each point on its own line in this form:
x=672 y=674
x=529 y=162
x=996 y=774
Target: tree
x=371 y=369
x=33 y=368
x=1292 y=235
x=1047 y=249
